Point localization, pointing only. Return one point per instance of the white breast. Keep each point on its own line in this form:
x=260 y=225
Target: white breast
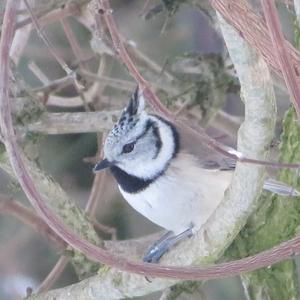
x=185 y=195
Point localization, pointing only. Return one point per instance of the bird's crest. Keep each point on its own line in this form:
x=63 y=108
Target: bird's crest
x=129 y=117
x=136 y=104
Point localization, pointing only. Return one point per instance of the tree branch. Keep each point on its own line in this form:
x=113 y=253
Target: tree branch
x=64 y=123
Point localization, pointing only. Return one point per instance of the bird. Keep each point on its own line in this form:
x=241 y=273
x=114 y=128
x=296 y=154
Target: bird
x=158 y=177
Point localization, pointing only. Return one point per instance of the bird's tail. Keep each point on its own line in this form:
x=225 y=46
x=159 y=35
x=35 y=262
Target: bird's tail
x=280 y=188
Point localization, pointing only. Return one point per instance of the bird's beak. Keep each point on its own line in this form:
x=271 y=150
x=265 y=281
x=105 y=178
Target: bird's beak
x=104 y=164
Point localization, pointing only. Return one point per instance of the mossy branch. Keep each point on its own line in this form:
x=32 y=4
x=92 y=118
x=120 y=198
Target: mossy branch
x=26 y=111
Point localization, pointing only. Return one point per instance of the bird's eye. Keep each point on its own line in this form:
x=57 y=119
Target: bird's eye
x=128 y=147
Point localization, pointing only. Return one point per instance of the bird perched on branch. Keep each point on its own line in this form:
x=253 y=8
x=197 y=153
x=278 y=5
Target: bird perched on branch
x=162 y=180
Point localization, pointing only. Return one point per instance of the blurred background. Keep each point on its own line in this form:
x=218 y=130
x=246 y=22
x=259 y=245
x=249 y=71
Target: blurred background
x=177 y=48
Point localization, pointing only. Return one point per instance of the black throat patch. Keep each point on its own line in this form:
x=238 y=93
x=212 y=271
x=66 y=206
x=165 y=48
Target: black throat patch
x=129 y=183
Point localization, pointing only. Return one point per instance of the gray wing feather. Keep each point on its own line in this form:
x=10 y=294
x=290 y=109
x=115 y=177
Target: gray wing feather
x=208 y=158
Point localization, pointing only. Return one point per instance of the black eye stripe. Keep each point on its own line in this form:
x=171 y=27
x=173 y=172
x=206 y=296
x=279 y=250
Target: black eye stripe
x=149 y=124
x=158 y=142
x=174 y=132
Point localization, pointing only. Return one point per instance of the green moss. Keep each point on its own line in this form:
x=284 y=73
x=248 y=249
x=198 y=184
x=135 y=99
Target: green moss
x=3 y=156
x=187 y=287
x=103 y=270
x=277 y=220
x=117 y=279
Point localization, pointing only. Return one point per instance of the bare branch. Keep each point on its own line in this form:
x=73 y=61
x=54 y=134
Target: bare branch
x=49 y=15
x=64 y=123
x=46 y=40
x=79 y=54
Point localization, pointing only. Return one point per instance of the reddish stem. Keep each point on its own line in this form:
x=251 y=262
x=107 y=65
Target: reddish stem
x=280 y=49
x=253 y=29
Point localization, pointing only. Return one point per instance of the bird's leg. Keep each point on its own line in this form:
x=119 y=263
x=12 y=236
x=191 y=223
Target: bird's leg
x=159 y=248
x=165 y=236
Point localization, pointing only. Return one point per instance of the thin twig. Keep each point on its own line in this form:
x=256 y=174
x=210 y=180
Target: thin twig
x=52 y=86
x=165 y=294
x=106 y=229
x=46 y=40
x=19 y=43
x=145 y=7
x=49 y=15
x=80 y=122
x=79 y=54
x=35 y=69
x=62 y=63
x=112 y=82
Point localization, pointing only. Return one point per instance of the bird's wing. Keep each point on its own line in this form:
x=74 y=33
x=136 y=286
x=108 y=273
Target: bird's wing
x=208 y=157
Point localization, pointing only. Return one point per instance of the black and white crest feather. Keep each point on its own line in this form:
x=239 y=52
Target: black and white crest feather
x=130 y=116
x=133 y=105
x=136 y=105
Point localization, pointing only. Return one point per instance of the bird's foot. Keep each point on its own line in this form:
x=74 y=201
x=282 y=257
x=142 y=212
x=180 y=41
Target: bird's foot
x=160 y=247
